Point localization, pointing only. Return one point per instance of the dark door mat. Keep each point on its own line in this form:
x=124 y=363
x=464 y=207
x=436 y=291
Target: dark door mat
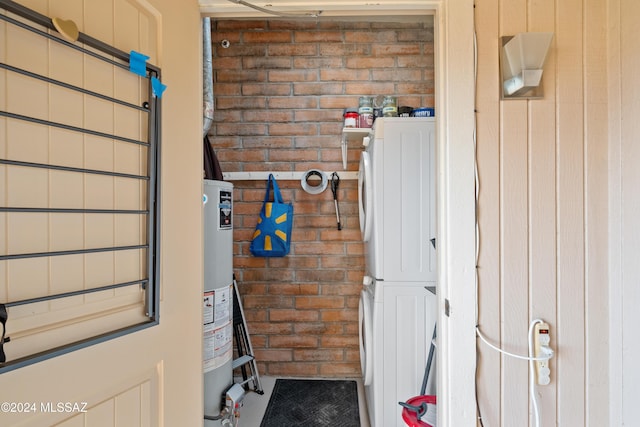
x=313 y=403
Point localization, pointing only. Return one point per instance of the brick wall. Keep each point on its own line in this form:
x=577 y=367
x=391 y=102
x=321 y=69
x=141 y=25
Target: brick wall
x=280 y=90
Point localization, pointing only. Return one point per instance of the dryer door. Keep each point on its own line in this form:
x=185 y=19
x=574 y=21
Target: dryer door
x=365 y=313
x=365 y=196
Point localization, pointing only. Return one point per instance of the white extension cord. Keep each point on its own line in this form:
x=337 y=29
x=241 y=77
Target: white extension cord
x=532 y=374
x=531 y=358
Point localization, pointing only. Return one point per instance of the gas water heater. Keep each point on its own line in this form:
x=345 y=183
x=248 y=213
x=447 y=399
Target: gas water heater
x=218 y=302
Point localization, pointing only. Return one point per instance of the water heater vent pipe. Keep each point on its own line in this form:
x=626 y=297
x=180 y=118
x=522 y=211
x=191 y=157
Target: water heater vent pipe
x=207 y=76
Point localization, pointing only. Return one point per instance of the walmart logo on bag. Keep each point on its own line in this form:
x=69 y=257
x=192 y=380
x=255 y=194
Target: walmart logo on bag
x=276 y=228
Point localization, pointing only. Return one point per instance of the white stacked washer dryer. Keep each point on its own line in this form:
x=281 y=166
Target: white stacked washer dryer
x=396 y=184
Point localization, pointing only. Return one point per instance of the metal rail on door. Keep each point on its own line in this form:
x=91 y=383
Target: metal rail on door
x=20 y=18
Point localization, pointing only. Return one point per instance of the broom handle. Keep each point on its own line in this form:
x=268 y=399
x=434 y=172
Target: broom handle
x=429 y=361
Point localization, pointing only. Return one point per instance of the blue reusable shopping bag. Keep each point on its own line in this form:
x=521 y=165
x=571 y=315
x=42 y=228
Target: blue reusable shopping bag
x=272 y=237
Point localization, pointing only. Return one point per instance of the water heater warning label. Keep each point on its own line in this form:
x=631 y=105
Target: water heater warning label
x=217 y=327
x=217 y=306
x=208 y=309
x=224 y=209
x=217 y=346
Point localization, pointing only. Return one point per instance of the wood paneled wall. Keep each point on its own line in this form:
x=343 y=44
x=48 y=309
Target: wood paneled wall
x=623 y=59
x=543 y=215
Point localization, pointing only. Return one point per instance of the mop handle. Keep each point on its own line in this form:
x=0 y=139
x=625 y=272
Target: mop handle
x=429 y=360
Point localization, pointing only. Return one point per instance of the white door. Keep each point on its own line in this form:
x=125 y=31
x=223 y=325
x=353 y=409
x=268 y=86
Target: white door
x=410 y=313
x=405 y=188
x=152 y=377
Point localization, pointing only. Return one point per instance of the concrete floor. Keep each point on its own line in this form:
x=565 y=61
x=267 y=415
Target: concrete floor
x=255 y=404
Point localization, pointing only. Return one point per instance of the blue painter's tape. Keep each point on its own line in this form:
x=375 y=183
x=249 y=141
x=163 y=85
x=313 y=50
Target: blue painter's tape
x=138 y=63
x=157 y=87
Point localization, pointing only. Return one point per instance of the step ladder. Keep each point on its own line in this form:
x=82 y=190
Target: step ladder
x=243 y=345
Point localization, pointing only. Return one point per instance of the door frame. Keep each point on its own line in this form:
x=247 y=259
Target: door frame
x=455 y=199
x=456 y=237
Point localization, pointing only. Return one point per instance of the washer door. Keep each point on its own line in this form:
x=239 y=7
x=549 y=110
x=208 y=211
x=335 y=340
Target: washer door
x=365 y=196
x=366 y=337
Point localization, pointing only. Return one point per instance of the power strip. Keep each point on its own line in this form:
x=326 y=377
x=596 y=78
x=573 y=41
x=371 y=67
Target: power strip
x=542 y=340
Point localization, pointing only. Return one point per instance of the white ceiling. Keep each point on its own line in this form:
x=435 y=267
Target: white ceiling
x=228 y=9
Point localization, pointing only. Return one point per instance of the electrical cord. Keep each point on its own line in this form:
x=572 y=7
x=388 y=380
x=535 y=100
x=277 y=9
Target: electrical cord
x=531 y=358
x=477 y=193
x=517 y=356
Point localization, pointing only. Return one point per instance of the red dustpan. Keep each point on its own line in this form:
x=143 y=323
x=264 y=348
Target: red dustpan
x=420 y=418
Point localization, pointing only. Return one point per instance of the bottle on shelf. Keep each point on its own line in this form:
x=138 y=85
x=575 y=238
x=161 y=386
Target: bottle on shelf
x=390 y=106
x=365 y=111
